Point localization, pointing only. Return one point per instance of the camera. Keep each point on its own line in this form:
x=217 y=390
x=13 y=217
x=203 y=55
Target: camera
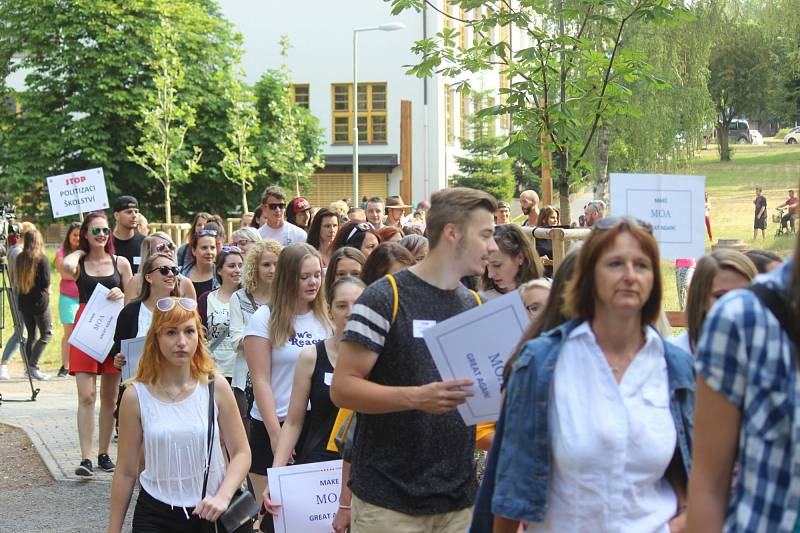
x=8 y=212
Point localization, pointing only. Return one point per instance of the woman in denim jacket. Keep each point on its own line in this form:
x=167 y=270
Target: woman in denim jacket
x=595 y=432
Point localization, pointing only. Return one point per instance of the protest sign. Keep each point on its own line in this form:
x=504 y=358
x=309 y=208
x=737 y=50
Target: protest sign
x=476 y=345
x=308 y=495
x=94 y=332
x=132 y=350
x=77 y=192
x=673 y=205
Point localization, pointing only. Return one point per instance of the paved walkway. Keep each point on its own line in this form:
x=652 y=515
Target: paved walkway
x=51 y=424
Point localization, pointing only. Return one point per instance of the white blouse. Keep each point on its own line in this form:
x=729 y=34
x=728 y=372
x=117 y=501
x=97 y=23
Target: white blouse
x=611 y=443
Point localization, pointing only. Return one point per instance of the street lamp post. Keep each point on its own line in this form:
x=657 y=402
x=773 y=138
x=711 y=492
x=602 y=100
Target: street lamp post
x=391 y=26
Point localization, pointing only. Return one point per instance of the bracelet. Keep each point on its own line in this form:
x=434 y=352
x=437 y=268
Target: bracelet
x=344 y=507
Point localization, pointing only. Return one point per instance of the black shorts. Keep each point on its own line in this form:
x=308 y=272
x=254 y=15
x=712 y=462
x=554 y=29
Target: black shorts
x=760 y=223
x=153 y=516
x=260 y=448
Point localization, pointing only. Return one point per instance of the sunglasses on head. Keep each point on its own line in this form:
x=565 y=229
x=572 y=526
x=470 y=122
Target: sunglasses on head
x=166 y=270
x=166 y=304
x=611 y=222
x=234 y=249
x=276 y=206
x=164 y=246
x=98 y=231
x=361 y=226
x=206 y=233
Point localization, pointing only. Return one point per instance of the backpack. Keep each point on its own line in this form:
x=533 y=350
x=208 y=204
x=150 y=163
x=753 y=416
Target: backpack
x=780 y=308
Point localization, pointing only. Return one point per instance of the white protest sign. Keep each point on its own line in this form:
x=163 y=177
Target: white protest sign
x=673 y=205
x=476 y=345
x=77 y=192
x=94 y=332
x=132 y=350
x=308 y=495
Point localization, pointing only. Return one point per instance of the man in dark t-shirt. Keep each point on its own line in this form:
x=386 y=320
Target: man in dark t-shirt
x=127 y=243
x=412 y=461
x=760 y=222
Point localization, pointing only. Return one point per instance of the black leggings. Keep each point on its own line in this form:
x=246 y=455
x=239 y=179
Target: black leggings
x=154 y=516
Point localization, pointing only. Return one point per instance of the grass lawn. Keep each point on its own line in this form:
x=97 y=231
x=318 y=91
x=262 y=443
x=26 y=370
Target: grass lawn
x=775 y=167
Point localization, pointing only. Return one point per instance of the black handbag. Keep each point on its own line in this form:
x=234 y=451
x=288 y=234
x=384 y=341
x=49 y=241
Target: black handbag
x=242 y=509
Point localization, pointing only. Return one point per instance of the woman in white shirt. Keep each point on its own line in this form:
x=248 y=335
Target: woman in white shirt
x=164 y=418
x=215 y=311
x=273 y=340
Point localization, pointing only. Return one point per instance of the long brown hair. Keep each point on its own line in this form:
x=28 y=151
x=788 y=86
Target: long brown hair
x=512 y=241
x=28 y=260
x=66 y=247
x=285 y=293
x=382 y=258
x=152 y=360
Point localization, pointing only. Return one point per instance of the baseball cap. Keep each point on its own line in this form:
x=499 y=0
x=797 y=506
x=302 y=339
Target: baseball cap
x=300 y=204
x=125 y=202
x=503 y=205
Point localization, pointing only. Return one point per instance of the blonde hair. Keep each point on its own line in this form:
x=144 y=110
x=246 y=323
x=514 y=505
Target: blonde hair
x=339 y=207
x=148 y=246
x=541 y=283
x=152 y=361
x=253 y=258
x=285 y=293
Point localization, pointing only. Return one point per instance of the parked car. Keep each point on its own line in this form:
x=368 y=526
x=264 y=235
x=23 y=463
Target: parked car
x=739 y=132
x=756 y=137
x=793 y=137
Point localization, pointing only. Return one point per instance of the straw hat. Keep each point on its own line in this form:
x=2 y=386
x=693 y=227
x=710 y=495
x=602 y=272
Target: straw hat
x=396 y=202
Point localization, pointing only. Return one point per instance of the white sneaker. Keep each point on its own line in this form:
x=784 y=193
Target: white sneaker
x=4 y=372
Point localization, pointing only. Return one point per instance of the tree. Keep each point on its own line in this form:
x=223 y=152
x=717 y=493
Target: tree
x=739 y=68
x=86 y=68
x=239 y=164
x=161 y=150
x=486 y=168
x=290 y=139
x=572 y=73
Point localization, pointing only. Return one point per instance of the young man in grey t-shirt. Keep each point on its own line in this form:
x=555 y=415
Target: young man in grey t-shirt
x=412 y=463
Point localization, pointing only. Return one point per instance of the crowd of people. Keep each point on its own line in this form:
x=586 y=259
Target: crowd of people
x=258 y=345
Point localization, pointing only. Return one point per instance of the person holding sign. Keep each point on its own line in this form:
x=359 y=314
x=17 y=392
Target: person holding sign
x=273 y=340
x=634 y=408
x=515 y=262
x=92 y=264
x=166 y=418
x=412 y=463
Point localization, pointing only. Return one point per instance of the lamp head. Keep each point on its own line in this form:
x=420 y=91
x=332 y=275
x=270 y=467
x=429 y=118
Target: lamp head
x=392 y=26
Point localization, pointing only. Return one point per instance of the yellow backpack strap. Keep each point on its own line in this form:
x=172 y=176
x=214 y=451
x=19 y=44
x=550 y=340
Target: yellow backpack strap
x=396 y=296
x=476 y=296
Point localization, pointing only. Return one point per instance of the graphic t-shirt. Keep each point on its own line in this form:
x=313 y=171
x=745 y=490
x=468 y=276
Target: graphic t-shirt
x=130 y=249
x=288 y=233
x=308 y=331
x=219 y=323
x=411 y=462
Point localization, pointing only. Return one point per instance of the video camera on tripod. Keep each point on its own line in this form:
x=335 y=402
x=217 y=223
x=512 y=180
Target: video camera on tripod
x=8 y=212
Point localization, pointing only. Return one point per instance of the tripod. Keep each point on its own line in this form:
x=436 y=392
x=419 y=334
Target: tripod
x=7 y=293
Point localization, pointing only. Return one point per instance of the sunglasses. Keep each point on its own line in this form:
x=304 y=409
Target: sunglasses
x=276 y=206
x=98 y=231
x=206 y=233
x=611 y=222
x=164 y=246
x=361 y=226
x=234 y=249
x=166 y=304
x=166 y=270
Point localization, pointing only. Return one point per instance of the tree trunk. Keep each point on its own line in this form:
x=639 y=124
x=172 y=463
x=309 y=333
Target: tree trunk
x=167 y=204
x=601 y=168
x=722 y=139
x=244 y=198
x=563 y=188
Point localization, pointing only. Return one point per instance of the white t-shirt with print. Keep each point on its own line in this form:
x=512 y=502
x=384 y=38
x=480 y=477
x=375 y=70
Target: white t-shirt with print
x=219 y=321
x=288 y=233
x=308 y=330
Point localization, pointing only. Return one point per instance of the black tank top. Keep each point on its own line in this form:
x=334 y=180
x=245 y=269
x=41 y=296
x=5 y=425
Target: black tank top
x=86 y=283
x=318 y=423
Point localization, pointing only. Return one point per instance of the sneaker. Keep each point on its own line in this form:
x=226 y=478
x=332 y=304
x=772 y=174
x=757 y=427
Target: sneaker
x=105 y=462
x=38 y=374
x=4 y=372
x=63 y=372
x=85 y=469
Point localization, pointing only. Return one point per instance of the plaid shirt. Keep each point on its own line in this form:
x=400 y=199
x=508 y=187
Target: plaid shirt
x=745 y=355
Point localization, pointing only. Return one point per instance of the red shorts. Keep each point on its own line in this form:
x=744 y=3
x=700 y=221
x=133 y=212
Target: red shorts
x=80 y=362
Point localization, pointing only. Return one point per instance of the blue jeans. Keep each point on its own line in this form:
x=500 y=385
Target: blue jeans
x=11 y=346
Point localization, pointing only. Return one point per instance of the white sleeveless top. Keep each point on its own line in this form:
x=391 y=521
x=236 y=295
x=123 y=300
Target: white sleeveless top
x=175 y=447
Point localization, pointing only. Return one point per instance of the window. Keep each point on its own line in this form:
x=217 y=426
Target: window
x=301 y=95
x=448 y=12
x=449 y=126
x=372 y=119
x=464 y=112
x=488 y=125
x=462 y=38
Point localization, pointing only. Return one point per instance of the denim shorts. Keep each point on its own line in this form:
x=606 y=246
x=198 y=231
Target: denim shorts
x=67 y=307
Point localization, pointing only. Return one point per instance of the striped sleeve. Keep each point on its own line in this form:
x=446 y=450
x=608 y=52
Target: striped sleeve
x=370 y=318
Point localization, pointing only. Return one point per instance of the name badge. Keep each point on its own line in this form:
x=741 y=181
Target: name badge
x=420 y=326
x=328 y=378
x=137 y=260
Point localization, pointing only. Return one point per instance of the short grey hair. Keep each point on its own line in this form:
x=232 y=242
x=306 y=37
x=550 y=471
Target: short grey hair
x=599 y=206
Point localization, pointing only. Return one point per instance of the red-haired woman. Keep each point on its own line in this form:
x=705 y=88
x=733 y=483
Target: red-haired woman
x=165 y=418
x=94 y=263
